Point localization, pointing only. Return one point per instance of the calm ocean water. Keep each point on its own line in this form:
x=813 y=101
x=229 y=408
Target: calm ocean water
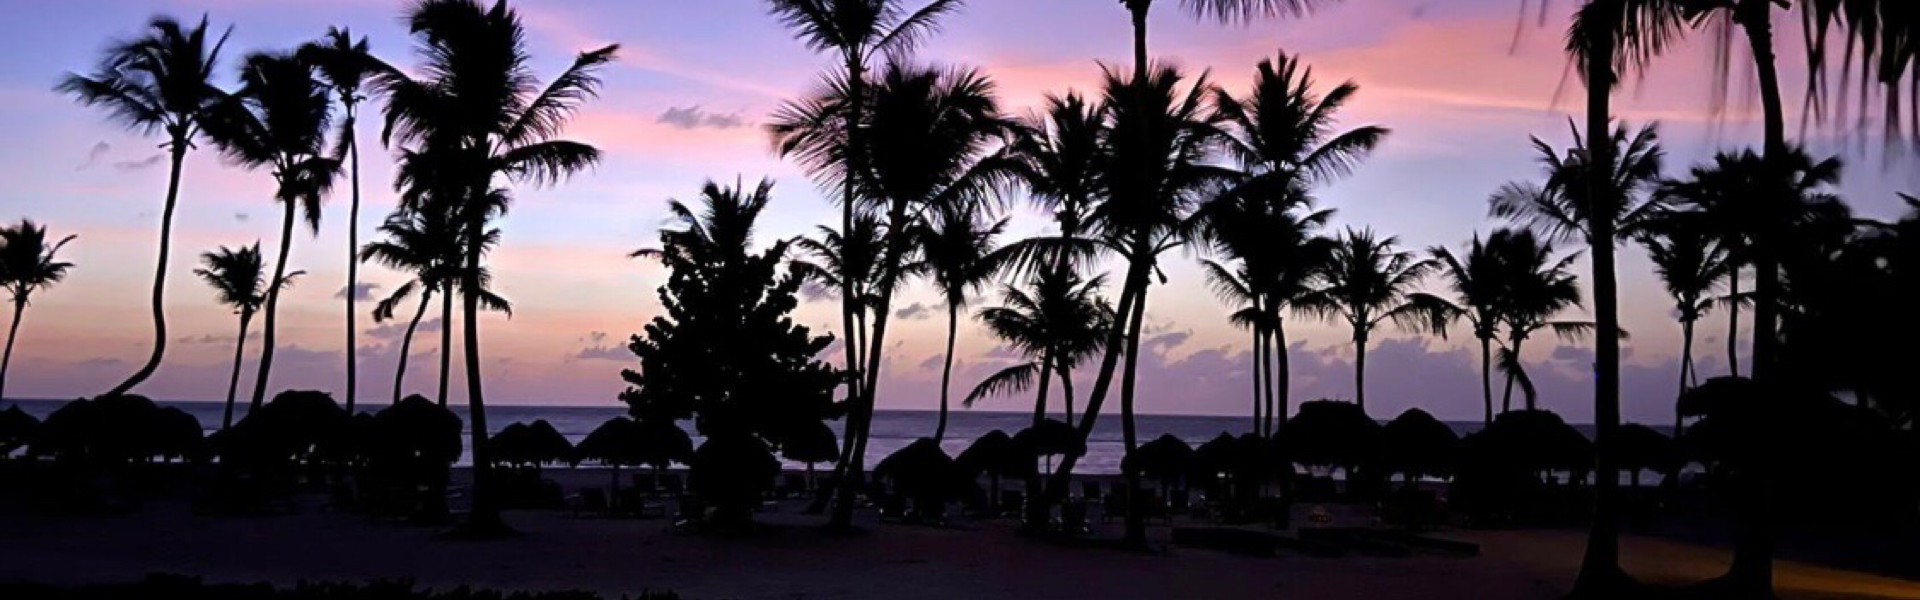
x=892 y=429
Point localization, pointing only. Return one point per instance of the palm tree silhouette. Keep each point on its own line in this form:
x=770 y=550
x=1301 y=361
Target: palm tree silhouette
x=1607 y=39
x=159 y=82
x=425 y=242
x=27 y=265
x=1286 y=140
x=857 y=31
x=479 y=116
x=345 y=65
x=278 y=121
x=957 y=249
x=1058 y=321
x=1368 y=282
x=1223 y=10
x=928 y=131
x=1536 y=286
x=847 y=262
x=239 y=280
x=1151 y=172
x=1690 y=261
x=1477 y=280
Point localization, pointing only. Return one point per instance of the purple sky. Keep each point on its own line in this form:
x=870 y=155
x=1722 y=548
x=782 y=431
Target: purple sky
x=685 y=102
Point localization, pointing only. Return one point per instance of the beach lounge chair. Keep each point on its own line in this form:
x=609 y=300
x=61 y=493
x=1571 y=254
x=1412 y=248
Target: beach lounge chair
x=589 y=501
x=673 y=485
x=793 y=485
x=647 y=483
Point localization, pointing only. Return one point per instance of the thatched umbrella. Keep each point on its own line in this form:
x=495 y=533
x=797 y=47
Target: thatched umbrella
x=810 y=444
x=1164 y=459
x=531 y=445
x=1050 y=438
x=295 y=425
x=1415 y=443
x=624 y=442
x=177 y=434
x=1538 y=440
x=1331 y=434
x=418 y=430
x=995 y=455
x=1639 y=448
x=732 y=473
x=17 y=428
x=108 y=428
x=1215 y=457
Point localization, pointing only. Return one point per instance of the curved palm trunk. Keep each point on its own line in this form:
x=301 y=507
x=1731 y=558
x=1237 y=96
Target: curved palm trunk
x=1136 y=533
x=273 y=308
x=486 y=513
x=1486 y=379
x=353 y=260
x=177 y=153
x=19 y=308
x=946 y=371
x=446 y=342
x=1040 y=399
x=406 y=344
x=1506 y=398
x=1037 y=512
x=233 y=381
x=1600 y=572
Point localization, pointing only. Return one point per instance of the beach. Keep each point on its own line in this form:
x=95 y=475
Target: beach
x=792 y=556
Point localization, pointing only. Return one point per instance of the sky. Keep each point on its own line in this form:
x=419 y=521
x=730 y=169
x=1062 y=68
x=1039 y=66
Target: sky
x=1462 y=84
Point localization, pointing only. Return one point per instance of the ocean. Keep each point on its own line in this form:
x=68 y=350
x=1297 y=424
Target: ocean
x=892 y=429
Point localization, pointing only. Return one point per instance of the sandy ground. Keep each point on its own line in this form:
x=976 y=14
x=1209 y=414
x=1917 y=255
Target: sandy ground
x=794 y=558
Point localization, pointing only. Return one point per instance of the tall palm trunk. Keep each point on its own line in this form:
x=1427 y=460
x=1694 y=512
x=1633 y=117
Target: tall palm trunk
x=1266 y=364
x=1278 y=405
x=1686 y=373
x=1360 y=370
x=1486 y=379
x=1066 y=387
x=946 y=371
x=1136 y=533
x=1733 y=322
x=273 y=308
x=406 y=343
x=1253 y=368
x=177 y=153
x=846 y=471
x=486 y=512
x=1752 y=569
x=233 y=381
x=1600 y=571
x=353 y=259
x=446 y=341
x=19 y=308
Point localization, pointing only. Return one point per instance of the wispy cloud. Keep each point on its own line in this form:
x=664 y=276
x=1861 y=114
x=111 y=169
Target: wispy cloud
x=917 y=311
x=693 y=117
x=363 y=291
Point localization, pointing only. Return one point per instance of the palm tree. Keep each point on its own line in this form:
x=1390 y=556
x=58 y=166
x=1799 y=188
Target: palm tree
x=1536 y=286
x=927 y=134
x=479 y=117
x=278 y=122
x=846 y=261
x=27 y=265
x=425 y=242
x=1477 y=281
x=1057 y=321
x=1287 y=141
x=1368 y=282
x=857 y=31
x=1690 y=261
x=159 y=82
x=345 y=65
x=1152 y=172
x=239 y=280
x=958 y=251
